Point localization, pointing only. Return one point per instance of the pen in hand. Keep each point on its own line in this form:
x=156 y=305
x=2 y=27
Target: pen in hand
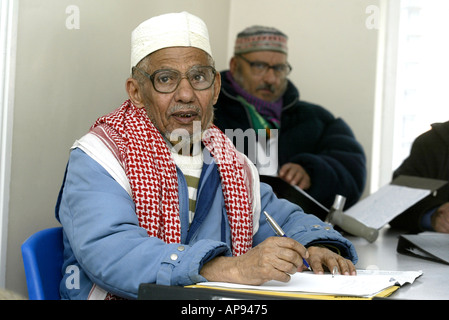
x=334 y=271
x=278 y=230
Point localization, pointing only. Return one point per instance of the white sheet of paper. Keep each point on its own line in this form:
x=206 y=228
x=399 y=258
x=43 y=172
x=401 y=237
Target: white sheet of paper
x=367 y=283
x=385 y=204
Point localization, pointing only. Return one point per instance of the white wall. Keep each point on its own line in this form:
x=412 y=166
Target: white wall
x=66 y=78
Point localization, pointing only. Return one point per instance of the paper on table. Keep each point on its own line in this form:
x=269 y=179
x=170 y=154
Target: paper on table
x=401 y=277
x=367 y=283
x=385 y=204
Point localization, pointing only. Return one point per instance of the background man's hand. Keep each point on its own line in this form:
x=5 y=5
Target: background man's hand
x=296 y=175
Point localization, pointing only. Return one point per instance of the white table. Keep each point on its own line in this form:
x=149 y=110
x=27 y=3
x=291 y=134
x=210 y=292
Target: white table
x=382 y=255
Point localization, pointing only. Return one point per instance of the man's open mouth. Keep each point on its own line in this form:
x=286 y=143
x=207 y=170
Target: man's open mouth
x=185 y=116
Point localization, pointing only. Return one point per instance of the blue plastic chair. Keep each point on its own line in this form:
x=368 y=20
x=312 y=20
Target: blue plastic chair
x=42 y=255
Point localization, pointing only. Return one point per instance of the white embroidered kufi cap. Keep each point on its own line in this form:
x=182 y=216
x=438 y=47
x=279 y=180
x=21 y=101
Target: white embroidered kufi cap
x=168 y=30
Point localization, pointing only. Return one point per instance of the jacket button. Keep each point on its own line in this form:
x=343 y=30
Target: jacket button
x=174 y=256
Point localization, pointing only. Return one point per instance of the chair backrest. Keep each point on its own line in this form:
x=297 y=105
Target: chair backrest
x=42 y=255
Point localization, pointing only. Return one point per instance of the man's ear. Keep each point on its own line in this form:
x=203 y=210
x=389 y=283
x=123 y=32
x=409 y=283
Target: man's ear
x=217 y=87
x=134 y=92
x=233 y=65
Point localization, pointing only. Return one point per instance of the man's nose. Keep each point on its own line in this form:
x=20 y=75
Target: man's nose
x=184 y=92
x=270 y=76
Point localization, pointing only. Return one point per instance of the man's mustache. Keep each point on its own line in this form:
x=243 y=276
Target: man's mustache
x=181 y=107
x=266 y=87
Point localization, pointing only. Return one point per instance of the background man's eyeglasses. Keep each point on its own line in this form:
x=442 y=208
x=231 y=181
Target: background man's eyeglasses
x=260 y=68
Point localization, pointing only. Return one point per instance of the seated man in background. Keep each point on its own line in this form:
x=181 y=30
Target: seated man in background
x=428 y=158
x=315 y=151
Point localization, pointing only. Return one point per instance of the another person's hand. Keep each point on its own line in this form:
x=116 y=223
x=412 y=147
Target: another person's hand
x=274 y=259
x=440 y=219
x=296 y=175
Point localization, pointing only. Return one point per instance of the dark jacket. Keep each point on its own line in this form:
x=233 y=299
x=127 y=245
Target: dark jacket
x=310 y=136
x=429 y=158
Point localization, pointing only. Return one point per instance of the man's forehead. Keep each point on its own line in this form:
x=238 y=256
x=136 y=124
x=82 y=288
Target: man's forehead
x=182 y=57
x=267 y=56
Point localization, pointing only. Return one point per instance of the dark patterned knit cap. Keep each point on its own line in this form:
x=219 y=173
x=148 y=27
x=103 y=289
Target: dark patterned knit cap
x=260 y=38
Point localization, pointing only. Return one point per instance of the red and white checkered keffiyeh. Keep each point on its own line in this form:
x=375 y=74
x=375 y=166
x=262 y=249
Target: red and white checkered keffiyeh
x=151 y=171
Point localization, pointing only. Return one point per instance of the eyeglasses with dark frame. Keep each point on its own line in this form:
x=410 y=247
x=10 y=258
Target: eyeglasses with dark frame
x=259 y=68
x=167 y=80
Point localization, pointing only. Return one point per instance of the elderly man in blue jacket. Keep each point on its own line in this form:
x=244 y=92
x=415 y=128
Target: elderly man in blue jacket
x=155 y=193
x=300 y=142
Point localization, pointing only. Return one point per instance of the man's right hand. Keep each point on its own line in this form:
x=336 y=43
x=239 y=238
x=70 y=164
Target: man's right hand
x=274 y=259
